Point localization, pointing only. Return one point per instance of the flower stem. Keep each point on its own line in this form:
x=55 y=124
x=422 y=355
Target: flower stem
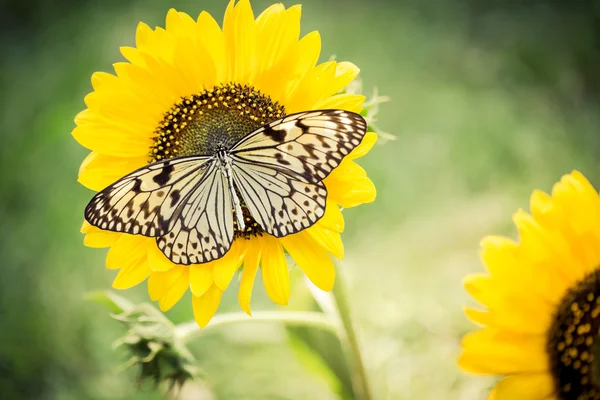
x=359 y=373
x=189 y=330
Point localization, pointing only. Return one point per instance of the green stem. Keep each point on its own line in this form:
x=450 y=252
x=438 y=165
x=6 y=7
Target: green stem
x=359 y=373
x=189 y=330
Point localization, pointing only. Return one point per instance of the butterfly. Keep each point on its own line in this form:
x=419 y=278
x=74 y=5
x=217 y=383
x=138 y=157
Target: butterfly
x=190 y=203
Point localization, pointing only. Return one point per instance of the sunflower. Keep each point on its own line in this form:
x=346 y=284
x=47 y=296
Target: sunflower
x=542 y=297
x=247 y=73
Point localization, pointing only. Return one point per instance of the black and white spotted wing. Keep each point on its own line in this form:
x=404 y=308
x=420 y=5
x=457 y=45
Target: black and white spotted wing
x=187 y=202
x=306 y=145
x=280 y=202
x=145 y=201
x=203 y=228
x=181 y=201
x=280 y=167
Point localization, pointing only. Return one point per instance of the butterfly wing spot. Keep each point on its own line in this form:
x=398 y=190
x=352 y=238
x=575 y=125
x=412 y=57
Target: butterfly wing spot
x=203 y=228
x=281 y=204
x=174 y=201
x=314 y=143
x=136 y=203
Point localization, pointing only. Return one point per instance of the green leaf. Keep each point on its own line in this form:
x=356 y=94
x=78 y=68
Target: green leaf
x=321 y=352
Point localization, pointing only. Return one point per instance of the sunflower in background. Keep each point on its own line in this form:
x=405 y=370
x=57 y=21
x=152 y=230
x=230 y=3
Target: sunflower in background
x=542 y=297
x=258 y=66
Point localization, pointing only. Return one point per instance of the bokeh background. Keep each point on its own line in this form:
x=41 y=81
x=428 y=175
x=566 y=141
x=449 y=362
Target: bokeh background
x=490 y=99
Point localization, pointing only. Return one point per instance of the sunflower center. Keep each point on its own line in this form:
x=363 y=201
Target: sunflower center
x=573 y=347
x=213 y=119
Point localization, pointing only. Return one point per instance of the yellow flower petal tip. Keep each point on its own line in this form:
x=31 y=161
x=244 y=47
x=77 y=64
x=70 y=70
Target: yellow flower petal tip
x=542 y=298
x=162 y=102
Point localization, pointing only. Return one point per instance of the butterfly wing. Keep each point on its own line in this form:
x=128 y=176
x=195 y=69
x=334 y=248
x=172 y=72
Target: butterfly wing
x=279 y=168
x=203 y=229
x=180 y=201
x=280 y=202
x=307 y=145
x=145 y=201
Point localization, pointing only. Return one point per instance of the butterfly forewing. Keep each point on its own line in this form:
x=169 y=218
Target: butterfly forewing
x=203 y=229
x=145 y=201
x=307 y=145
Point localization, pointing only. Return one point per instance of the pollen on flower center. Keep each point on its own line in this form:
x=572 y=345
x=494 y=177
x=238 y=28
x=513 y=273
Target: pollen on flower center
x=215 y=118
x=572 y=342
x=200 y=123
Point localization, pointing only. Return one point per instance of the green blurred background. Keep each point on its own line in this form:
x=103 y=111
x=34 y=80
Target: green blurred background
x=490 y=99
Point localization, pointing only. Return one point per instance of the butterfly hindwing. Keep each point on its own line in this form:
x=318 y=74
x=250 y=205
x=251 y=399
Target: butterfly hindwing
x=280 y=203
x=203 y=229
x=306 y=145
x=144 y=201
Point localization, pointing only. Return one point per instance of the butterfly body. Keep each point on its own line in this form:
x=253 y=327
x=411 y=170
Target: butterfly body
x=225 y=163
x=271 y=178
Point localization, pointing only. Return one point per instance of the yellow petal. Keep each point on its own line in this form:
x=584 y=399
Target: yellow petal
x=329 y=240
x=128 y=102
x=333 y=218
x=478 y=316
x=536 y=386
x=349 y=186
x=160 y=283
x=345 y=72
x=251 y=261
x=510 y=307
x=143 y=36
x=176 y=290
x=481 y=287
x=103 y=79
x=201 y=278
x=504 y=259
x=158 y=42
x=98 y=171
x=157 y=259
x=156 y=285
x=194 y=66
x=311 y=258
x=275 y=271
x=127 y=251
x=206 y=305
x=98 y=238
x=211 y=37
x=549 y=250
x=489 y=351
x=308 y=50
x=225 y=267
x=179 y=24
x=342 y=101
x=278 y=32
x=117 y=144
x=132 y=55
x=364 y=147
x=313 y=88
x=239 y=30
x=151 y=90
x=132 y=274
